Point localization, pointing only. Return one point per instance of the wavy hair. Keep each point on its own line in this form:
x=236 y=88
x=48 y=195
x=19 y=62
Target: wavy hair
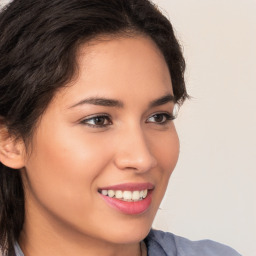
x=38 y=45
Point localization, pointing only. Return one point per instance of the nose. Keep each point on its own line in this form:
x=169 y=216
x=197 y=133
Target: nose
x=133 y=152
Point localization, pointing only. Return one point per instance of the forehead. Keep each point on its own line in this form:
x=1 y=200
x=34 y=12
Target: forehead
x=118 y=68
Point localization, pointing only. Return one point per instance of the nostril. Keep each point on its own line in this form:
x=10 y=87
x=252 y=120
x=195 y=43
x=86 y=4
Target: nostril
x=134 y=152
x=136 y=163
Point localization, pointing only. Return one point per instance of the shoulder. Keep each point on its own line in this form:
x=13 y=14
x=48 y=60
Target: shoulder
x=166 y=244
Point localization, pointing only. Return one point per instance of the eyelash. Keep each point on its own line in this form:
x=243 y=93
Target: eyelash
x=105 y=117
x=167 y=118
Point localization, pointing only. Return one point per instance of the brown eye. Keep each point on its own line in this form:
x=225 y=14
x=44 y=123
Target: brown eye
x=158 y=118
x=161 y=118
x=97 y=121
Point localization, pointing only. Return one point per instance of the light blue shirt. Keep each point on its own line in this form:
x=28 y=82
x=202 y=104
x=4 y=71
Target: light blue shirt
x=161 y=243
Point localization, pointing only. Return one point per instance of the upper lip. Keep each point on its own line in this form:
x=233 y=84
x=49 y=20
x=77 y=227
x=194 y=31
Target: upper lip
x=130 y=186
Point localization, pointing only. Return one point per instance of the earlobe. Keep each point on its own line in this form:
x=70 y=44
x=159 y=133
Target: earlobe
x=11 y=150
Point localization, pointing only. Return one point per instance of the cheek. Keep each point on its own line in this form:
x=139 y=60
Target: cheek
x=62 y=170
x=166 y=150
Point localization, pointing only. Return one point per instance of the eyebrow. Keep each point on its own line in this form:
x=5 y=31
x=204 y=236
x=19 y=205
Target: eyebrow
x=161 y=101
x=116 y=103
x=100 y=102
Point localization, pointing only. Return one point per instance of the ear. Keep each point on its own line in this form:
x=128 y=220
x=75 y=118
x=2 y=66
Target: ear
x=12 y=150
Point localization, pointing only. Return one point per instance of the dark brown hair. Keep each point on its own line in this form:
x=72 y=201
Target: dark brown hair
x=38 y=45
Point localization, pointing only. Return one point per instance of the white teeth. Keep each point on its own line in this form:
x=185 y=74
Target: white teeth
x=104 y=192
x=145 y=192
x=119 y=194
x=126 y=195
x=111 y=193
x=135 y=195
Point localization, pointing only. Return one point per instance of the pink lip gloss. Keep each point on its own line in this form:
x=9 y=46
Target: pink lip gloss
x=129 y=207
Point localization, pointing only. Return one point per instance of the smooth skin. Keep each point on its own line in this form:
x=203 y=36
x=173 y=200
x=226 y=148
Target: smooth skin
x=81 y=145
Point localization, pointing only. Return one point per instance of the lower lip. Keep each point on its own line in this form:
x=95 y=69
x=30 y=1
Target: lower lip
x=131 y=208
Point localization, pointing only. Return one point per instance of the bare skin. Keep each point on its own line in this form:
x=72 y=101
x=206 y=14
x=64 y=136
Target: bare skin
x=74 y=154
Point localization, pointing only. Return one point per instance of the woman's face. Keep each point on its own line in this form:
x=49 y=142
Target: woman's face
x=106 y=138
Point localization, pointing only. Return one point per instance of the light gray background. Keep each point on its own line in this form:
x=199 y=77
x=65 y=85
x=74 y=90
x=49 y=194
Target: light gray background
x=3 y=2
x=212 y=193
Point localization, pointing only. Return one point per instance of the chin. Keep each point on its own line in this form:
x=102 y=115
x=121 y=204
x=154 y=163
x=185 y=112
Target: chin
x=128 y=232
x=130 y=237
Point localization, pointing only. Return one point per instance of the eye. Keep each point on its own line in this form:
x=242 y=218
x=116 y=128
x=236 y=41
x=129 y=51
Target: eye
x=97 y=121
x=160 y=118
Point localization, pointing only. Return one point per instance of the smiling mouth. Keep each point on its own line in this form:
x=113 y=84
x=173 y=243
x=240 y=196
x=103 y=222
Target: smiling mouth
x=126 y=195
x=128 y=198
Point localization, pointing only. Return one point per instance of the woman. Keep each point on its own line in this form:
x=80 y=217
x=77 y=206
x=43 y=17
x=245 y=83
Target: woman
x=88 y=93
